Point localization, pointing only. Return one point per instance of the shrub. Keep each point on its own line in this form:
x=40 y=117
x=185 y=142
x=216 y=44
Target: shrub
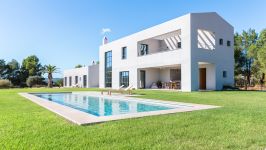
x=5 y=84
x=59 y=83
x=35 y=81
x=159 y=84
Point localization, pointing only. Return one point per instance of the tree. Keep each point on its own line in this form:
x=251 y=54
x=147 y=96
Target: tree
x=2 y=68
x=49 y=69
x=32 y=66
x=261 y=56
x=78 y=66
x=13 y=72
x=238 y=55
x=245 y=54
x=249 y=49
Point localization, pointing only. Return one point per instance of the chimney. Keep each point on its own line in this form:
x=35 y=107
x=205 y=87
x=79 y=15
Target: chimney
x=105 y=40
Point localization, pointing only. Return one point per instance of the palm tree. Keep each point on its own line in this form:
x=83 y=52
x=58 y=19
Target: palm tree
x=49 y=69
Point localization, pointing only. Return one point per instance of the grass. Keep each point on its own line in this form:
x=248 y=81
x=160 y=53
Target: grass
x=239 y=124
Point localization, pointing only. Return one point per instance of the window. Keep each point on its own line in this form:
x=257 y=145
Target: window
x=84 y=81
x=228 y=43
x=70 y=81
x=65 y=81
x=124 y=78
x=76 y=79
x=108 y=69
x=175 y=74
x=221 y=41
x=179 y=45
x=124 y=52
x=224 y=74
x=144 y=49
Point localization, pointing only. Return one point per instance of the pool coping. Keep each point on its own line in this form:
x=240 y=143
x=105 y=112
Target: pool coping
x=82 y=118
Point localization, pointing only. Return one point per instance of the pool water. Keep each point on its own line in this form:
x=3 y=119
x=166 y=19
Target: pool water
x=99 y=106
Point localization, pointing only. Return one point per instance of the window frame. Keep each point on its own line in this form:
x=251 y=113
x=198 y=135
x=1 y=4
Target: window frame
x=85 y=81
x=224 y=73
x=65 y=83
x=108 y=69
x=179 y=45
x=76 y=79
x=228 y=43
x=221 y=41
x=144 y=49
x=124 y=78
x=124 y=52
x=70 y=81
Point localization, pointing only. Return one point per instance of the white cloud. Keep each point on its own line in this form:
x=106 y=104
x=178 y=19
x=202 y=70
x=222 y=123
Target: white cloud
x=105 y=30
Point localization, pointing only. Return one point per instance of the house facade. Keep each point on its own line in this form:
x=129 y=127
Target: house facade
x=84 y=77
x=192 y=52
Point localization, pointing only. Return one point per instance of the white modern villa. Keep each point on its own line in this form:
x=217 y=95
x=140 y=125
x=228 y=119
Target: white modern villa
x=84 y=77
x=189 y=53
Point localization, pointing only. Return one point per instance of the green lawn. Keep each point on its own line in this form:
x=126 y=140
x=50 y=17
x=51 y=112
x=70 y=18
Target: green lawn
x=239 y=124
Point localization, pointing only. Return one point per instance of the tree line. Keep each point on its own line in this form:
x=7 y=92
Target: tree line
x=250 y=58
x=28 y=73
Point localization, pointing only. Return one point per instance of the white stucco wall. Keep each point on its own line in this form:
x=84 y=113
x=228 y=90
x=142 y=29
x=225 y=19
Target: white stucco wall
x=94 y=76
x=187 y=57
x=222 y=56
x=92 y=73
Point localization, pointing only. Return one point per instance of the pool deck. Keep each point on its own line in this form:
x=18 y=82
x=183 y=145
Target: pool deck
x=82 y=118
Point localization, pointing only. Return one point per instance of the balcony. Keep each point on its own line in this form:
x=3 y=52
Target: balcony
x=162 y=43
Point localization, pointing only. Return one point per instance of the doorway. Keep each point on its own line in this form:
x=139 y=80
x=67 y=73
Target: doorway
x=202 y=78
x=142 y=79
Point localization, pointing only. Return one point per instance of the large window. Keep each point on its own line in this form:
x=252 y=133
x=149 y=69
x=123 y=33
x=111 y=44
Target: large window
x=84 y=81
x=76 y=80
x=144 y=49
x=124 y=78
x=65 y=81
x=124 y=53
x=108 y=69
x=70 y=81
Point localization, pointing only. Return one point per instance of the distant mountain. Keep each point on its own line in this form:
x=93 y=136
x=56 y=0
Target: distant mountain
x=54 y=79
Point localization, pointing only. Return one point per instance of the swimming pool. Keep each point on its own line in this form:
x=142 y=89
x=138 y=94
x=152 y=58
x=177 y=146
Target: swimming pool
x=100 y=106
x=92 y=107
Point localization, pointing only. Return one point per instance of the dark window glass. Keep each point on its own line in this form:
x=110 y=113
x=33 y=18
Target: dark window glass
x=221 y=41
x=228 y=43
x=76 y=79
x=70 y=81
x=65 y=81
x=179 y=45
x=224 y=74
x=144 y=49
x=84 y=81
x=124 y=78
x=124 y=52
x=108 y=69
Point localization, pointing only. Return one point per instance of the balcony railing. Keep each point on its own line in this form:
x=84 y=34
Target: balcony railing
x=158 y=51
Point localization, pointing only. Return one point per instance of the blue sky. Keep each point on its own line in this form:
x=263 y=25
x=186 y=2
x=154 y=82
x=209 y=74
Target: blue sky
x=68 y=32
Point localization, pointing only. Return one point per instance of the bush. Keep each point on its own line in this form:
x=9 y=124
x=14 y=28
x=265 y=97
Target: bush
x=35 y=81
x=59 y=83
x=5 y=84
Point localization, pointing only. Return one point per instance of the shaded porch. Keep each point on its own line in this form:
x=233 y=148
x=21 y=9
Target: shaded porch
x=163 y=77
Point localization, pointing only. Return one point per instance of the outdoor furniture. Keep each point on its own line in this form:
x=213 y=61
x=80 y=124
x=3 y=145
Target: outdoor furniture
x=174 y=85
x=128 y=89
